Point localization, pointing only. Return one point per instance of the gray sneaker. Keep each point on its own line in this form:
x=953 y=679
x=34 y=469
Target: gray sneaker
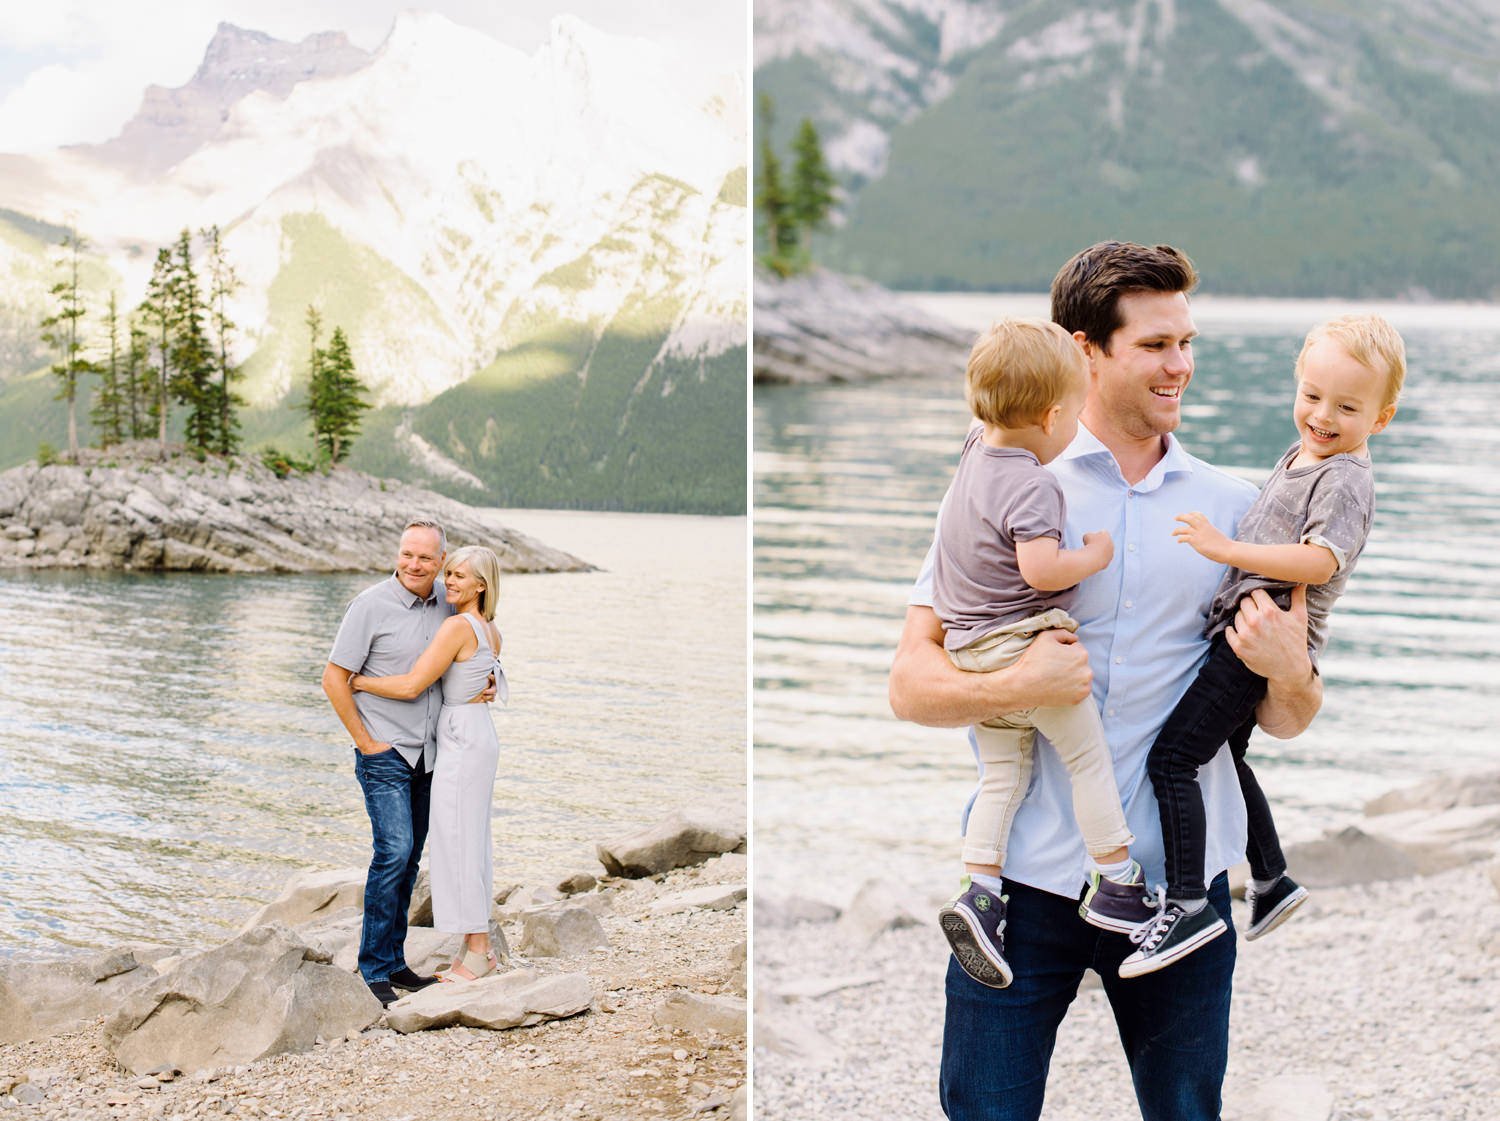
x=1117 y=907
x=1169 y=936
x=974 y=923
x=1269 y=909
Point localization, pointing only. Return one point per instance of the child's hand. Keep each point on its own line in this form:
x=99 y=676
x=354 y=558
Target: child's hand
x=1200 y=533
x=1100 y=547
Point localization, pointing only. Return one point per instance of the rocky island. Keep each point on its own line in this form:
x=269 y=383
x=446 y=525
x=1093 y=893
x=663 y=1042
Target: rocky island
x=824 y=327
x=127 y=508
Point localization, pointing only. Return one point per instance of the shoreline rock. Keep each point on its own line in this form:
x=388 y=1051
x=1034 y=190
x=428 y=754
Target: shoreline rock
x=125 y=509
x=652 y=1023
x=824 y=327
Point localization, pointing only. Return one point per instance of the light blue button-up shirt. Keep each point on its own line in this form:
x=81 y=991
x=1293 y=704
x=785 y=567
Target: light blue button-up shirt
x=1141 y=621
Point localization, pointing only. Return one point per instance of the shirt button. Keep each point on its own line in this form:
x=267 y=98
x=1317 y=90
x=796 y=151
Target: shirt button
x=1130 y=494
x=1114 y=712
x=1129 y=603
x=1130 y=548
x=1119 y=661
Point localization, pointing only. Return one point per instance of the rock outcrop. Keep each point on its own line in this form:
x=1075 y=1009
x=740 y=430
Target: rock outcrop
x=123 y=510
x=43 y=999
x=679 y=841
x=824 y=327
x=263 y=993
x=510 y=1000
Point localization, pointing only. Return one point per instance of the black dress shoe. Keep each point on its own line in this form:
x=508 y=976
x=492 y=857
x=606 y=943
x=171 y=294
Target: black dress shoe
x=383 y=992
x=404 y=978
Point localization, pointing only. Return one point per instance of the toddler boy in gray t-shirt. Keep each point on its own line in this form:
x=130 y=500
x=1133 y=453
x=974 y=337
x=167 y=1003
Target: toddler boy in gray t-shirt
x=1000 y=578
x=1307 y=527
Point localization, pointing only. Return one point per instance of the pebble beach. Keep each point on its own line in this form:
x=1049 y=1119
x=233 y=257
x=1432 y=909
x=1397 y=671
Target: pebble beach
x=1377 y=1001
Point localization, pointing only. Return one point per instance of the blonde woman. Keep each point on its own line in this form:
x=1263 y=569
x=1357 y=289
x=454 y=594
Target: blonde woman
x=462 y=656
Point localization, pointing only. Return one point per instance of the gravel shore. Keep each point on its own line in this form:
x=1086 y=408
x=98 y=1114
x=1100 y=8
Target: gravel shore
x=1375 y=1002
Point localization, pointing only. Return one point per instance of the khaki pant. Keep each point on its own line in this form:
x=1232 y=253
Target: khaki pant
x=1005 y=746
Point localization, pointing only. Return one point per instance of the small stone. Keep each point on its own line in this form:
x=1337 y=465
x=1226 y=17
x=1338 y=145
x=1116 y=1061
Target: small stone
x=27 y=1093
x=680 y=1055
x=147 y=1083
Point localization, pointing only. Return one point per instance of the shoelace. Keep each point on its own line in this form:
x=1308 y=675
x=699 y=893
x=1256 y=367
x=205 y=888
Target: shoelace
x=1152 y=930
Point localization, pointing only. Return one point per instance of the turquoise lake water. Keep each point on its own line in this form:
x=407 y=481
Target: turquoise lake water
x=168 y=760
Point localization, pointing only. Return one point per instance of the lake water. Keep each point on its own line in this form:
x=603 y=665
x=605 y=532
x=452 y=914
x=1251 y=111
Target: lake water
x=168 y=760
x=847 y=481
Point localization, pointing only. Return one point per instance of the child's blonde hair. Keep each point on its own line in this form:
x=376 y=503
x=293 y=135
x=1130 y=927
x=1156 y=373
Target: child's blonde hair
x=484 y=566
x=1020 y=368
x=1372 y=342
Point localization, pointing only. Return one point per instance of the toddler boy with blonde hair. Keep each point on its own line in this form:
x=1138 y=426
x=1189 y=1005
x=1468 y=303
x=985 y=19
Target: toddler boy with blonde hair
x=1306 y=528
x=1000 y=578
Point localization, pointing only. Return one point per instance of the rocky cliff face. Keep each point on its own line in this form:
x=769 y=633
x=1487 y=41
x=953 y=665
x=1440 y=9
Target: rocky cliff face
x=233 y=516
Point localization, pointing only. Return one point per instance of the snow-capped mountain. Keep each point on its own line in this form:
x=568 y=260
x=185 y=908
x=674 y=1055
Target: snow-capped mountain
x=447 y=199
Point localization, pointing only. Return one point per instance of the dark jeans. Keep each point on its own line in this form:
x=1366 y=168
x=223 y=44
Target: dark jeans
x=1173 y=1024
x=396 y=798
x=1219 y=706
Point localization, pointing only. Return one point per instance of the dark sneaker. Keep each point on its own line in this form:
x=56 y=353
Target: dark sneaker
x=974 y=923
x=1117 y=907
x=383 y=992
x=406 y=978
x=1170 y=936
x=1270 y=909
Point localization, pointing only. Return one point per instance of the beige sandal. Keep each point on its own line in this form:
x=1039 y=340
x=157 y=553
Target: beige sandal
x=480 y=965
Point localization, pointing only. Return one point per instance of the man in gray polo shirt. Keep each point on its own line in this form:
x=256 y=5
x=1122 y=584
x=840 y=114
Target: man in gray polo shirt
x=385 y=629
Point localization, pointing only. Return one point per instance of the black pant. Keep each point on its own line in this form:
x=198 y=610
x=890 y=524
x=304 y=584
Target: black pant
x=1218 y=706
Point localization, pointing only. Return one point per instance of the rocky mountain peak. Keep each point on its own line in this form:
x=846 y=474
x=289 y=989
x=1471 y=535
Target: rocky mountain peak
x=173 y=123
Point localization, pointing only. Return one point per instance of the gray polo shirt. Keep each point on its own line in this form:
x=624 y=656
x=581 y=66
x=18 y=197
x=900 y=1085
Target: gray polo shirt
x=1329 y=503
x=384 y=632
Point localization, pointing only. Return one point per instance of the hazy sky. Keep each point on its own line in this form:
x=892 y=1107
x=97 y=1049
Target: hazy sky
x=73 y=70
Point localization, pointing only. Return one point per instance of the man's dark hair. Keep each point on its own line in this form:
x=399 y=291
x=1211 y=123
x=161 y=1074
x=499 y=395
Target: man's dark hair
x=1086 y=291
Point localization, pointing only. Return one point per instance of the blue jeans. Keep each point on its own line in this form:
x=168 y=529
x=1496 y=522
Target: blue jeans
x=1173 y=1024
x=396 y=798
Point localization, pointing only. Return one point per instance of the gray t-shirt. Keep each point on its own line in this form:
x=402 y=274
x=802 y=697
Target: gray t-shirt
x=999 y=496
x=1329 y=503
x=384 y=632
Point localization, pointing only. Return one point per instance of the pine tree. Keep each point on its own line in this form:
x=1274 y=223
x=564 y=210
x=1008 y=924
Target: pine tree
x=813 y=185
x=138 y=383
x=192 y=358
x=773 y=201
x=109 y=411
x=159 y=311
x=63 y=331
x=336 y=397
x=223 y=282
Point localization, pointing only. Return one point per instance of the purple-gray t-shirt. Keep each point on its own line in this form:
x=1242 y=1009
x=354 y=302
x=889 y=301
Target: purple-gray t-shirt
x=999 y=496
x=1329 y=503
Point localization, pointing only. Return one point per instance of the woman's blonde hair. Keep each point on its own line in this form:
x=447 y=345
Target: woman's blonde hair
x=484 y=566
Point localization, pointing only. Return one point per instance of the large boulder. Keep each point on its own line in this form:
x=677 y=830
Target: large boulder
x=561 y=930
x=312 y=897
x=679 y=841
x=1445 y=792
x=876 y=908
x=508 y=1000
x=40 y=999
x=265 y=992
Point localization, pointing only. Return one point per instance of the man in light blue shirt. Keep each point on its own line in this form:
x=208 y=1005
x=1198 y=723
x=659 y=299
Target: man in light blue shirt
x=1139 y=645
